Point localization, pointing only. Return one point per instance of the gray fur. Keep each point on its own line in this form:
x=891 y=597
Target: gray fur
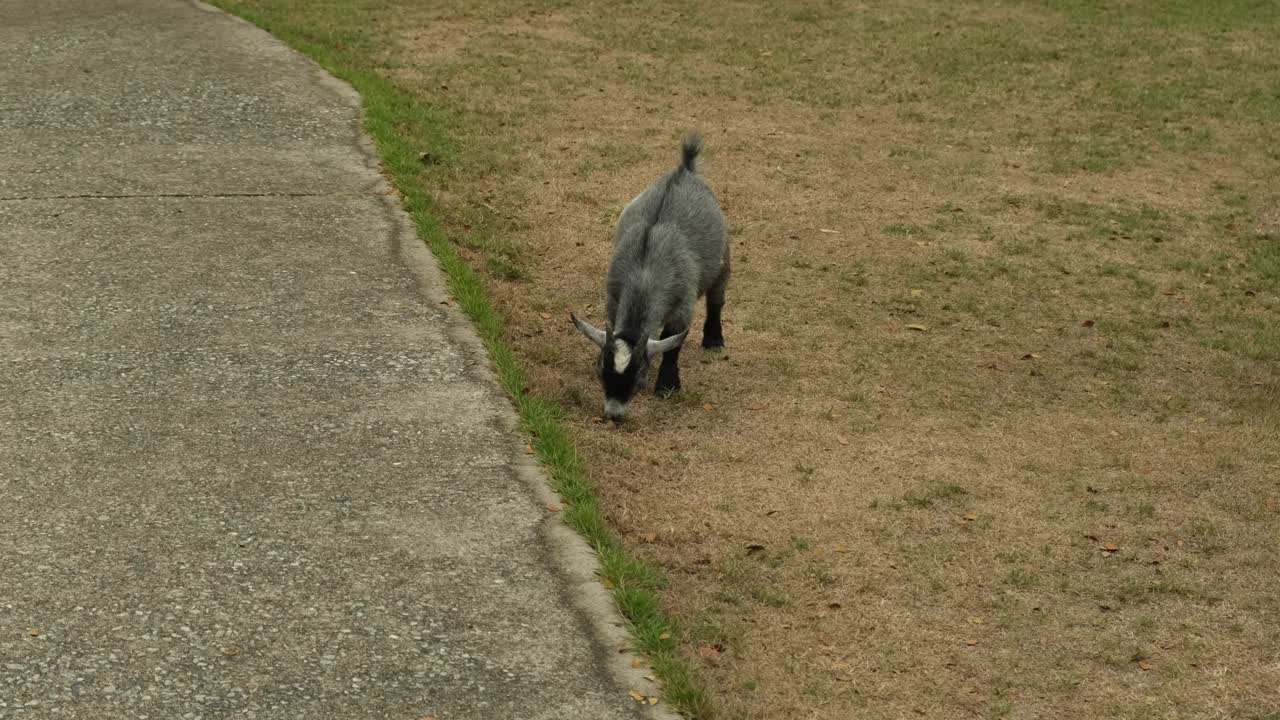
x=656 y=284
x=670 y=248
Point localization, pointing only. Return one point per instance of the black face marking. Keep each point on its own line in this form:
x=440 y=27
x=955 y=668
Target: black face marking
x=621 y=383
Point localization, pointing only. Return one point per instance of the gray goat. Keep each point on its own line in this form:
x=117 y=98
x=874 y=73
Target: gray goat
x=670 y=248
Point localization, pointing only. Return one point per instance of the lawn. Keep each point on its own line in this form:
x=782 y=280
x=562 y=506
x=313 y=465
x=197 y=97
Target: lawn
x=997 y=433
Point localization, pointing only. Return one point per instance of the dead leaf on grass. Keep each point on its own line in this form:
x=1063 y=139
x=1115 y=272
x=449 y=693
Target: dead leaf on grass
x=638 y=697
x=828 y=231
x=917 y=327
x=709 y=653
x=665 y=636
x=707 y=407
x=1144 y=664
x=1110 y=547
x=970 y=517
x=842 y=440
x=840 y=548
x=653 y=700
x=1031 y=356
x=34 y=632
x=552 y=507
x=636 y=662
x=758 y=406
x=649 y=537
x=545 y=316
x=971 y=642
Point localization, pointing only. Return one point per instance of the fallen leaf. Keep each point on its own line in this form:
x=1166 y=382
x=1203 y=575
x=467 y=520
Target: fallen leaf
x=653 y=701
x=841 y=548
x=916 y=292
x=973 y=620
x=829 y=232
x=665 y=636
x=709 y=653
x=758 y=406
x=1031 y=356
x=1087 y=323
x=33 y=632
x=552 y=507
x=636 y=696
x=231 y=651
x=1144 y=664
x=971 y=642
x=970 y=516
x=528 y=449
x=917 y=328
x=545 y=316
x=707 y=407
x=597 y=419
x=649 y=537
x=1110 y=547
x=842 y=440
x=635 y=663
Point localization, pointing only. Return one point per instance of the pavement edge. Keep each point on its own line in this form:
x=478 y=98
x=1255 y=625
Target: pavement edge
x=569 y=552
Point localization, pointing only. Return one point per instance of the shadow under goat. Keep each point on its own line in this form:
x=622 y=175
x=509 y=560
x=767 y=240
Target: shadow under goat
x=670 y=249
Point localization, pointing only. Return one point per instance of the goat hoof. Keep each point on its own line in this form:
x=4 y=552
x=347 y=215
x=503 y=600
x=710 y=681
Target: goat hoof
x=666 y=391
x=713 y=348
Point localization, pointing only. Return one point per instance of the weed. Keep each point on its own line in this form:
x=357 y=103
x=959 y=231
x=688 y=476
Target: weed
x=769 y=598
x=932 y=494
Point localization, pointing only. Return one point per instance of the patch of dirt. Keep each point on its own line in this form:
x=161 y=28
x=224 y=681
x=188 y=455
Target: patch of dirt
x=861 y=517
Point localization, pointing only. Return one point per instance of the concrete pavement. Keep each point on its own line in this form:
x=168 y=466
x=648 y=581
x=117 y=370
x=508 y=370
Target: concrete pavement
x=250 y=466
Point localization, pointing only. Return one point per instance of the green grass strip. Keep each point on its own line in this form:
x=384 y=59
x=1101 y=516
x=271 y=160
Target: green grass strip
x=403 y=127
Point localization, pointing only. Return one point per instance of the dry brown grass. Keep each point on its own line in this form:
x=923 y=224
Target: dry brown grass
x=1079 y=204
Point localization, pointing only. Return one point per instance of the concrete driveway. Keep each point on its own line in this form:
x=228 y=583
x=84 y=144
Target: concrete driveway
x=250 y=466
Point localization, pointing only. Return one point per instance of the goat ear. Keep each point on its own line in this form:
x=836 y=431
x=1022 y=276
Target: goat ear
x=594 y=335
x=661 y=346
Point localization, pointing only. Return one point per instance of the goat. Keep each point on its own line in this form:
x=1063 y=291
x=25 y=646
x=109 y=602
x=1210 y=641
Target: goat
x=670 y=249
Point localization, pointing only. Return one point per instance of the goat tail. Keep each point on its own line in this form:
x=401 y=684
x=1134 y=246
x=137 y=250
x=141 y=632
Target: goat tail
x=690 y=149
